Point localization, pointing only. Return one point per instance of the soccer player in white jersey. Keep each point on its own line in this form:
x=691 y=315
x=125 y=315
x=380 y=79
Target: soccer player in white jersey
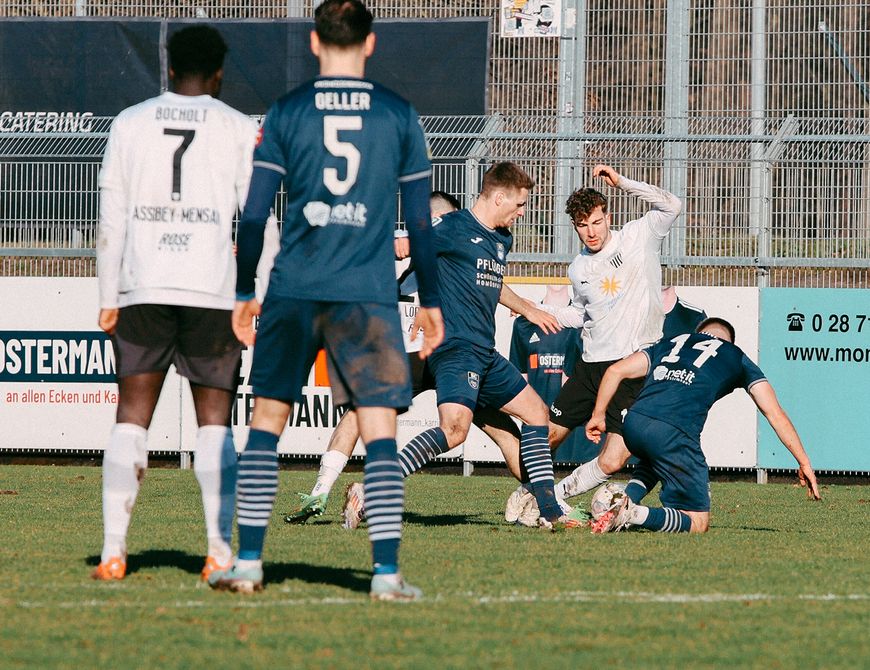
x=176 y=168
x=617 y=304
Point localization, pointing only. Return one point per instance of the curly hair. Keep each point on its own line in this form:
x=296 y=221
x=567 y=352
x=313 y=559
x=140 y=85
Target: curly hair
x=582 y=202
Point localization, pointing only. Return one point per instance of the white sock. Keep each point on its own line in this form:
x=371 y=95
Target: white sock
x=249 y=564
x=124 y=464
x=215 y=467
x=585 y=478
x=639 y=514
x=331 y=466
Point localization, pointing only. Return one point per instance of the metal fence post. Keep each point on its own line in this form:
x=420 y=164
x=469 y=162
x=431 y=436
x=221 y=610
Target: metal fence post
x=758 y=104
x=676 y=122
x=571 y=110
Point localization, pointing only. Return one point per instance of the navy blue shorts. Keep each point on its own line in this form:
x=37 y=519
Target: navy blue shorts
x=472 y=376
x=366 y=359
x=674 y=457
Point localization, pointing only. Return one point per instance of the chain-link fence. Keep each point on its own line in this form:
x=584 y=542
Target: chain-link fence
x=754 y=112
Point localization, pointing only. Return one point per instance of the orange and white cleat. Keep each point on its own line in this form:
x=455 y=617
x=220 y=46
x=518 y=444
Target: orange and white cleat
x=211 y=565
x=114 y=568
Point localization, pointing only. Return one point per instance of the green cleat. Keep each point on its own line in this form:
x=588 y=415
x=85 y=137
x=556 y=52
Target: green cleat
x=309 y=506
x=577 y=517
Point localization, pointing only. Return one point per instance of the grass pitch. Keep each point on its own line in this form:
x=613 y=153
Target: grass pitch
x=778 y=582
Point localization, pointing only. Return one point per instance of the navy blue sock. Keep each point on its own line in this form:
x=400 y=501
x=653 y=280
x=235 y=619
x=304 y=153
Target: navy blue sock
x=667 y=520
x=257 y=488
x=535 y=455
x=384 y=503
x=424 y=448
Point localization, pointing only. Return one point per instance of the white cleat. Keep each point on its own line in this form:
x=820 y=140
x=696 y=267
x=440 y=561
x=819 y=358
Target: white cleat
x=354 y=510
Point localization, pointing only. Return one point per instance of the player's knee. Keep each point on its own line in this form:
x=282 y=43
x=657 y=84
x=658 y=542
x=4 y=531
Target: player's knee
x=455 y=432
x=539 y=414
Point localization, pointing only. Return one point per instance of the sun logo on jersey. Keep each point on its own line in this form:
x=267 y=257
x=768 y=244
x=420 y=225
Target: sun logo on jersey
x=610 y=286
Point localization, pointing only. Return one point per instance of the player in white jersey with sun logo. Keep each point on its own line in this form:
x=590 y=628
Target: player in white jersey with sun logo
x=617 y=304
x=176 y=168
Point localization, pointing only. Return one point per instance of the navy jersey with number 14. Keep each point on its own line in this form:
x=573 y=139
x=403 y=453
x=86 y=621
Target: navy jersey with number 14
x=337 y=142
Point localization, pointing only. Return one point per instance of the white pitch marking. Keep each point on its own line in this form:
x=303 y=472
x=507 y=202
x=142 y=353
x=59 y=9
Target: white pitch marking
x=508 y=598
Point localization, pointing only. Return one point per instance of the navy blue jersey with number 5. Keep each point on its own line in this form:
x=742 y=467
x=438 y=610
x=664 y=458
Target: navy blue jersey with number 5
x=337 y=143
x=687 y=375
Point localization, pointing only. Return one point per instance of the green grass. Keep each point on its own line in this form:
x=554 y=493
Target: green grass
x=779 y=582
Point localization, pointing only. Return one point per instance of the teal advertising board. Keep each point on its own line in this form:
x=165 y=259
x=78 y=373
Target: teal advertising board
x=814 y=347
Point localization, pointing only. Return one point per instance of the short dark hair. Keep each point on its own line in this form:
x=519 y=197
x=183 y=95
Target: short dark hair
x=342 y=23
x=196 y=51
x=716 y=321
x=505 y=175
x=582 y=202
x=445 y=197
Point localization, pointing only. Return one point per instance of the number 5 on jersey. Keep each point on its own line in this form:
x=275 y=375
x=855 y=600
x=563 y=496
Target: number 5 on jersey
x=346 y=150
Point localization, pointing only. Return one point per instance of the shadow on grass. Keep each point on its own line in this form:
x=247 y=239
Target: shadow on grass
x=159 y=558
x=446 y=519
x=348 y=578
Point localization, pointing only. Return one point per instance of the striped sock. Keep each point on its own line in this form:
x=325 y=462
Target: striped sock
x=424 y=448
x=662 y=519
x=536 y=457
x=257 y=488
x=384 y=501
x=636 y=490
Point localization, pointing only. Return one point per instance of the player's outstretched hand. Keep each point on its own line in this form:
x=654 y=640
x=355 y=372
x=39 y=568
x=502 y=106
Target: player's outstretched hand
x=595 y=427
x=607 y=173
x=543 y=320
x=243 y=320
x=108 y=320
x=432 y=323
x=807 y=478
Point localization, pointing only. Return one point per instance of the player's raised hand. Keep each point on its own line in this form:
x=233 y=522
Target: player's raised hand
x=595 y=426
x=807 y=478
x=543 y=320
x=243 y=320
x=108 y=320
x=607 y=173
x=432 y=323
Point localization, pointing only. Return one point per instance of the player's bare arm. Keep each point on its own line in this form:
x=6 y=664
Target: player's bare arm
x=630 y=367
x=768 y=404
x=543 y=320
x=243 y=320
x=432 y=323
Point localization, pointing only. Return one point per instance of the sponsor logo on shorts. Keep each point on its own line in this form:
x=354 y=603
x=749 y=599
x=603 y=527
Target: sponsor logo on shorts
x=175 y=241
x=555 y=410
x=473 y=380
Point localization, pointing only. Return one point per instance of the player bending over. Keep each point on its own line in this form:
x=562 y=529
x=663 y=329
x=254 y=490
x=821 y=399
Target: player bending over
x=472 y=247
x=684 y=377
x=497 y=425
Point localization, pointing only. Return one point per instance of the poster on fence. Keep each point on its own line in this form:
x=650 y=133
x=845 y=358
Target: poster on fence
x=815 y=350
x=530 y=18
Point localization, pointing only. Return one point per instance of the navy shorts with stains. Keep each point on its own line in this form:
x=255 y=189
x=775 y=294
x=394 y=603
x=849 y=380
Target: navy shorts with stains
x=470 y=375
x=368 y=366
